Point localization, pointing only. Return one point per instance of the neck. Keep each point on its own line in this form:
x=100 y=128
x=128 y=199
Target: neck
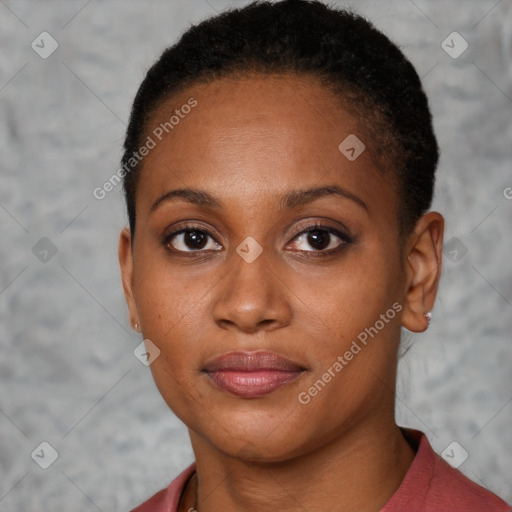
x=358 y=470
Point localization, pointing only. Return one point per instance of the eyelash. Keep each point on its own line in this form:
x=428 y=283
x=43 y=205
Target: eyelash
x=316 y=226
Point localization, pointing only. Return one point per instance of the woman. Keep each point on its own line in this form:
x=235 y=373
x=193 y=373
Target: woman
x=278 y=170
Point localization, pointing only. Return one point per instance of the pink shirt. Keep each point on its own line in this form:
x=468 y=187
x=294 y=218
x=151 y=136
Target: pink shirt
x=430 y=485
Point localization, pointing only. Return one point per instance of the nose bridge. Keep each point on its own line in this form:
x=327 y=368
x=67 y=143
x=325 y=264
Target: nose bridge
x=251 y=295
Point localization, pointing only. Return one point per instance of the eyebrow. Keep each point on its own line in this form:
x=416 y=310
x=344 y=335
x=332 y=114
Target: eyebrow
x=289 y=200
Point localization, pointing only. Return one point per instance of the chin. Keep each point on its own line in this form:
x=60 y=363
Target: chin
x=271 y=439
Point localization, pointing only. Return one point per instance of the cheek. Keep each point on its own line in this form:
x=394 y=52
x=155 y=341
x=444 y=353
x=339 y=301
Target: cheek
x=170 y=299
x=344 y=303
x=172 y=308
x=354 y=359
x=354 y=322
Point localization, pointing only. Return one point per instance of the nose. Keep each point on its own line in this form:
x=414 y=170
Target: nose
x=253 y=296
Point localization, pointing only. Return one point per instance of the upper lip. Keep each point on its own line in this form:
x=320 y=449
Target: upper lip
x=251 y=361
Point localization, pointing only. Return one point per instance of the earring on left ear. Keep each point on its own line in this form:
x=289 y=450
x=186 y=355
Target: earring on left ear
x=428 y=316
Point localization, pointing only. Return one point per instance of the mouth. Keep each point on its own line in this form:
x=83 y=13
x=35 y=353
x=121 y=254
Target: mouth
x=251 y=374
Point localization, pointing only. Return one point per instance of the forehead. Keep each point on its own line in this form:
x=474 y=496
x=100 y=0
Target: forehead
x=251 y=137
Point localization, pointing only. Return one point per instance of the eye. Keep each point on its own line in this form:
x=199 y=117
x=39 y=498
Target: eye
x=190 y=239
x=193 y=238
x=320 y=238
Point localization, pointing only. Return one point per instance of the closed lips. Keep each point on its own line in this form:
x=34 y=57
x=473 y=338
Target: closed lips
x=251 y=374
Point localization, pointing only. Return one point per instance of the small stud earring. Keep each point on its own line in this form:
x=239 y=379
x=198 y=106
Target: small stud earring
x=428 y=316
x=136 y=325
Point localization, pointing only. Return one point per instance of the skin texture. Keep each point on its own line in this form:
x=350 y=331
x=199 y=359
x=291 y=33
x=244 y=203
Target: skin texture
x=248 y=141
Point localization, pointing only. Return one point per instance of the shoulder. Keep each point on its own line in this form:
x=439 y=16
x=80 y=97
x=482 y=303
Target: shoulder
x=166 y=500
x=450 y=487
x=431 y=484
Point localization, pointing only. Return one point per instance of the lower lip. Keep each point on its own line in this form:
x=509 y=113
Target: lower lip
x=251 y=384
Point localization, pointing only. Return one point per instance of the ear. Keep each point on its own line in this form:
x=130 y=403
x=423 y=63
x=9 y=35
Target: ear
x=424 y=251
x=126 y=263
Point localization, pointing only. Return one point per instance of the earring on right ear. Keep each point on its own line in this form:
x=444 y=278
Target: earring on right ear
x=428 y=316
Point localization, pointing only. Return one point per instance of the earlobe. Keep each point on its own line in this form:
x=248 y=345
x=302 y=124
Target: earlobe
x=126 y=264
x=423 y=271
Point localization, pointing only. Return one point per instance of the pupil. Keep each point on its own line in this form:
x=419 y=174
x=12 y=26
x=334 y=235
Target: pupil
x=318 y=239
x=195 y=239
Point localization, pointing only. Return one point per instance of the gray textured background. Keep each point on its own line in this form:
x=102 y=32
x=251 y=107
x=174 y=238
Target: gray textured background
x=68 y=374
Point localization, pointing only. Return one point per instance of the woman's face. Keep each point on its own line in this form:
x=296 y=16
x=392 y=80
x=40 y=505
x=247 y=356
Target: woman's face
x=248 y=277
